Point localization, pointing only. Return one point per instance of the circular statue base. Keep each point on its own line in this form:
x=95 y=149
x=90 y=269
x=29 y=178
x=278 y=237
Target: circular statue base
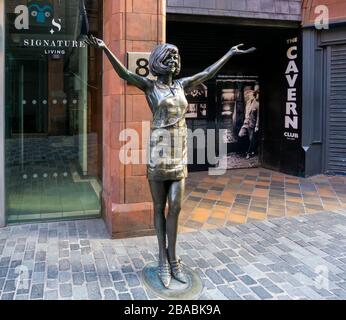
x=176 y=290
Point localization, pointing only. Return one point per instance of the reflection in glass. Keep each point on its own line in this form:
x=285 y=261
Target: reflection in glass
x=53 y=123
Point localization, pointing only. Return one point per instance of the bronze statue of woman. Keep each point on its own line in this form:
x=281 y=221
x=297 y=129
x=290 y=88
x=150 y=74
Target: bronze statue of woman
x=167 y=167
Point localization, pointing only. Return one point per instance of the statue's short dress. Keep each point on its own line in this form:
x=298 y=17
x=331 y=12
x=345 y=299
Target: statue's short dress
x=168 y=137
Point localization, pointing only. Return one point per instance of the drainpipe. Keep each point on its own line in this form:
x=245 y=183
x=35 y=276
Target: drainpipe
x=2 y=113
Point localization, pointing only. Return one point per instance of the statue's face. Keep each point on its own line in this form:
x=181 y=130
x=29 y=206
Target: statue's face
x=172 y=62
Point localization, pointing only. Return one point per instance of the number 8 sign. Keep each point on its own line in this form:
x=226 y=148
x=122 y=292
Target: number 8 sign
x=138 y=63
x=142 y=67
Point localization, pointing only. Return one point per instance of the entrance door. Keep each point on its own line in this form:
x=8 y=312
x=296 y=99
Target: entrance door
x=336 y=112
x=53 y=107
x=29 y=114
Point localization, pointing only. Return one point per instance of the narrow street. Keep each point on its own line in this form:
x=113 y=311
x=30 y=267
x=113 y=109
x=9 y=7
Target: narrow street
x=302 y=257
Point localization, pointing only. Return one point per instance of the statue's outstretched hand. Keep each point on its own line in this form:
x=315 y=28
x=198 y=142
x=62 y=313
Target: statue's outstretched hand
x=95 y=42
x=236 y=51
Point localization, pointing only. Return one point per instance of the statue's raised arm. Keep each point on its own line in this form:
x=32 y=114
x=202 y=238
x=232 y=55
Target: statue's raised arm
x=212 y=71
x=132 y=78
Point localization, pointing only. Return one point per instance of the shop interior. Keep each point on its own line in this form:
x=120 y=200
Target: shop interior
x=53 y=115
x=222 y=103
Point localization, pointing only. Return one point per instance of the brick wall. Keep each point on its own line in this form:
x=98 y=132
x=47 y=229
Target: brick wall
x=337 y=10
x=289 y=10
x=129 y=26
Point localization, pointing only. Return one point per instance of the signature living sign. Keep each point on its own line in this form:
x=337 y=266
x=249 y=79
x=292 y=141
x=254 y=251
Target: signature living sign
x=36 y=26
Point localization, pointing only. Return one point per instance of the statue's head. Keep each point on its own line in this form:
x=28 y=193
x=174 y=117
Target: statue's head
x=165 y=59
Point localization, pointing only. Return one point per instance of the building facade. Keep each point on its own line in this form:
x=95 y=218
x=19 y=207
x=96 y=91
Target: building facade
x=324 y=86
x=63 y=107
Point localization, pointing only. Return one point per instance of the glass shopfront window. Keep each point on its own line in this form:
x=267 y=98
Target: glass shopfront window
x=53 y=134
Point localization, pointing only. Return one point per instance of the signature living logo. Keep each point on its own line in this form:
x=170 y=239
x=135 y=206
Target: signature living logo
x=42 y=14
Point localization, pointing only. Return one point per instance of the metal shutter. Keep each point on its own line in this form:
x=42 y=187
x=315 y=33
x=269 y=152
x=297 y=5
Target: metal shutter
x=336 y=115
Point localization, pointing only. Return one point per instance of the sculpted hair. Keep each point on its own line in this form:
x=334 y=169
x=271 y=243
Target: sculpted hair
x=157 y=58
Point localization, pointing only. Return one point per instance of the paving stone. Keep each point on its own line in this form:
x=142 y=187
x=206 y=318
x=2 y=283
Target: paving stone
x=276 y=259
x=40 y=267
x=91 y=276
x=214 y=277
x=247 y=280
x=274 y=289
x=105 y=280
x=64 y=265
x=116 y=276
x=229 y=277
x=84 y=242
x=65 y=290
x=101 y=267
x=120 y=286
x=229 y=293
x=65 y=277
x=275 y=277
x=208 y=284
x=77 y=266
x=235 y=269
x=52 y=284
x=110 y=294
x=10 y=285
x=127 y=269
x=283 y=297
x=21 y=297
x=79 y=293
x=52 y=272
x=37 y=291
x=222 y=257
x=339 y=293
x=261 y=292
x=250 y=297
x=216 y=294
x=12 y=274
x=322 y=292
x=40 y=256
x=15 y=263
x=3 y=272
x=51 y=295
x=2 y=282
x=139 y=294
x=202 y=263
x=7 y=296
x=132 y=280
x=89 y=268
x=138 y=263
x=125 y=296
x=240 y=288
x=78 y=278
x=5 y=262
x=94 y=292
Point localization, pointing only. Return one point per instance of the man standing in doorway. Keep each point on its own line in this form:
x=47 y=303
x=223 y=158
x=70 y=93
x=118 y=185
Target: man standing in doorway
x=251 y=122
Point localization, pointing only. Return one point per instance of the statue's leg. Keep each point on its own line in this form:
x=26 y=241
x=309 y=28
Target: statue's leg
x=175 y=200
x=159 y=194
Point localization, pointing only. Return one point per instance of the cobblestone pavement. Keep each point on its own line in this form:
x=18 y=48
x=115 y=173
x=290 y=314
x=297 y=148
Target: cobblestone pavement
x=300 y=257
x=245 y=195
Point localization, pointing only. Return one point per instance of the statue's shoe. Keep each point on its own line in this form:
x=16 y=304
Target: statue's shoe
x=164 y=274
x=178 y=272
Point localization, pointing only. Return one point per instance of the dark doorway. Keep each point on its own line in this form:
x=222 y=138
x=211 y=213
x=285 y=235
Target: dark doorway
x=201 y=44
